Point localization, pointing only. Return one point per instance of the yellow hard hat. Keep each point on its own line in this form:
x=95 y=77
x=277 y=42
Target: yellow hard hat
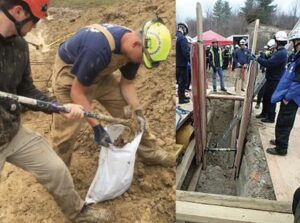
x=156 y=42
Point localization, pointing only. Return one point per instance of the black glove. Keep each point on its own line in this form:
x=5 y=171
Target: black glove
x=252 y=57
x=101 y=136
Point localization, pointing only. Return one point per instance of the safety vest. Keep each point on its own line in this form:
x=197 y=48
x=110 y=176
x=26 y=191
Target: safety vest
x=213 y=56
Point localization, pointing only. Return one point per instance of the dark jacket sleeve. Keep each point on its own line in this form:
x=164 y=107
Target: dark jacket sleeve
x=26 y=88
x=276 y=58
x=185 y=49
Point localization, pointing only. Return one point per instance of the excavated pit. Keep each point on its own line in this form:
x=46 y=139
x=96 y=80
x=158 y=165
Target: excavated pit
x=218 y=177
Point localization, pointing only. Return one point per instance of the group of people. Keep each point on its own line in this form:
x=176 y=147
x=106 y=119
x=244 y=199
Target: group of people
x=83 y=71
x=218 y=59
x=282 y=85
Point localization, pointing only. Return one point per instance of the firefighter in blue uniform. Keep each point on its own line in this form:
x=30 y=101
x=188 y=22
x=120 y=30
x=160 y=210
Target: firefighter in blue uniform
x=275 y=69
x=182 y=60
x=288 y=92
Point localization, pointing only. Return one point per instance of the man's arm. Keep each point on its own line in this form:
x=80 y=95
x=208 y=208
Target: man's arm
x=26 y=88
x=79 y=96
x=274 y=61
x=185 y=49
x=129 y=93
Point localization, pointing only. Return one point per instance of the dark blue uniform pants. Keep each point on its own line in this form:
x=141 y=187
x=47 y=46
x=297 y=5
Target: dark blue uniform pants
x=182 y=78
x=284 y=124
x=269 y=109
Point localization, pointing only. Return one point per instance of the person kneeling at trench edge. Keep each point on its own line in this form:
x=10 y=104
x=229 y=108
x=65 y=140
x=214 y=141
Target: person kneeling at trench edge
x=84 y=70
x=288 y=92
x=18 y=145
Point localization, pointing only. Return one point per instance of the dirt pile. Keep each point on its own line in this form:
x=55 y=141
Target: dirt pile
x=152 y=194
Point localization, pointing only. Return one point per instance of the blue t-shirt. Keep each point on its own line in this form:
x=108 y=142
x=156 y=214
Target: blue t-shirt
x=242 y=56
x=89 y=53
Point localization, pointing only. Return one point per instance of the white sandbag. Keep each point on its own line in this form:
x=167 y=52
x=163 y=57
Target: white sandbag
x=115 y=168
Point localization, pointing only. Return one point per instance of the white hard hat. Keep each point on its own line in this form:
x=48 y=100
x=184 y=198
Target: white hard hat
x=294 y=34
x=184 y=27
x=271 y=43
x=242 y=41
x=266 y=47
x=281 y=36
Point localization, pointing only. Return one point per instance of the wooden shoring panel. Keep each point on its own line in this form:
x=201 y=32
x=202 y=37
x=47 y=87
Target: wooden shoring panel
x=247 y=107
x=184 y=166
x=234 y=201
x=204 y=213
x=202 y=78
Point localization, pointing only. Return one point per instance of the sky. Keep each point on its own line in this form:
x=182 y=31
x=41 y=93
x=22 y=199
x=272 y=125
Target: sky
x=187 y=8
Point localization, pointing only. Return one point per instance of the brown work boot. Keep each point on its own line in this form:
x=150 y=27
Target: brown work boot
x=156 y=156
x=92 y=214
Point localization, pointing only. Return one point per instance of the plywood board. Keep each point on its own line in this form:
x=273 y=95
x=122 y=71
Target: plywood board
x=204 y=213
x=184 y=166
x=284 y=170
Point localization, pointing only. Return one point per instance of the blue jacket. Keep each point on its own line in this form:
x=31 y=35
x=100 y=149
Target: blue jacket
x=275 y=65
x=289 y=85
x=182 y=50
x=242 y=56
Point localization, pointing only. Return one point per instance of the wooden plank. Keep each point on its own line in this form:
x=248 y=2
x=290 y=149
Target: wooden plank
x=196 y=101
x=247 y=105
x=202 y=78
x=283 y=170
x=204 y=213
x=184 y=166
x=195 y=179
x=226 y=97
x=233 y=201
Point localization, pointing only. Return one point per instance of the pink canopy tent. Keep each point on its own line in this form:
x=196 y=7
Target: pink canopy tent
x=210 y=35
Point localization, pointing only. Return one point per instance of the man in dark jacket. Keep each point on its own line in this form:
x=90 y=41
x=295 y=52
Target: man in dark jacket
x=288 y=92
x=216 y=62
x=182 y=60
x=241 y=58
x=18 y=145
x=266 y=55
x=275 y=69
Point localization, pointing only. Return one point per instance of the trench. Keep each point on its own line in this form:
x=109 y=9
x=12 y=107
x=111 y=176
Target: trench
x=218 y=177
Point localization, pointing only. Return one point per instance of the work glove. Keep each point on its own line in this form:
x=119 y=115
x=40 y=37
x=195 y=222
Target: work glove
x=101 y=136
x=252 y=57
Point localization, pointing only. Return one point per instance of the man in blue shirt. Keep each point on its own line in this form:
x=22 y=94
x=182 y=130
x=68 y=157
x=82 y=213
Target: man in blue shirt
x=288 y=92
x=275 y=67
x=85 y=70
x=216 y=62
x=241 y=58
x=182 y=60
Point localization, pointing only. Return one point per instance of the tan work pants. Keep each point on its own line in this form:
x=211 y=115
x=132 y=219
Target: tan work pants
x=240 y=77
x=106 y=90
x=31 y=152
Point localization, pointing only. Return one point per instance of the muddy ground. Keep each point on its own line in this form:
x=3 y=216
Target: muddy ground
x=152 y=194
